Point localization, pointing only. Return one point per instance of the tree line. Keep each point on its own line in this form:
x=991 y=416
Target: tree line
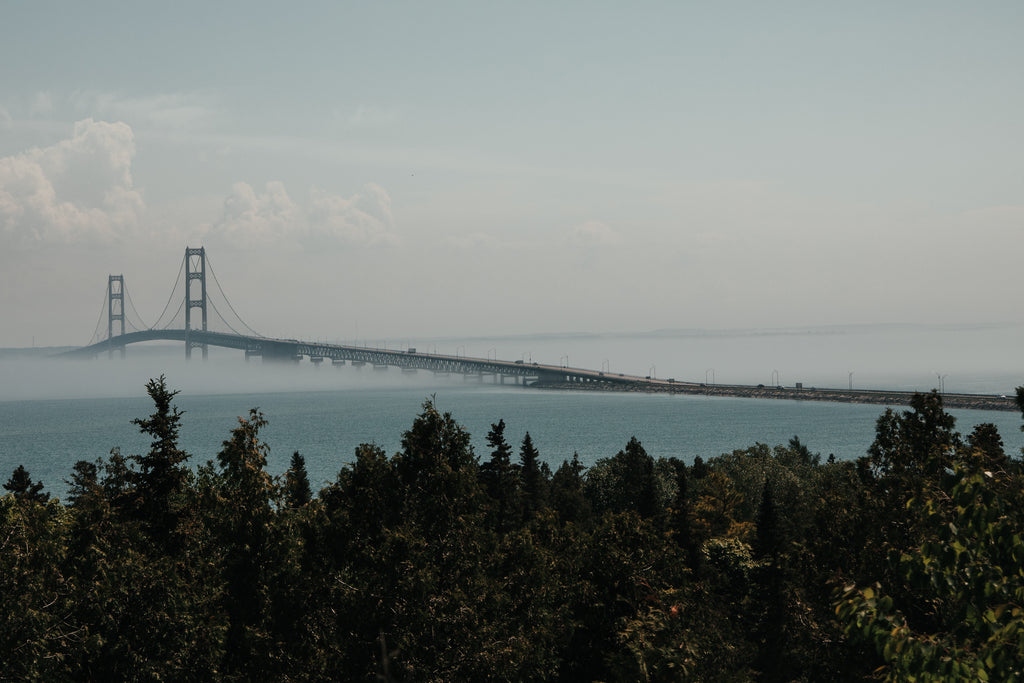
x=436 y=564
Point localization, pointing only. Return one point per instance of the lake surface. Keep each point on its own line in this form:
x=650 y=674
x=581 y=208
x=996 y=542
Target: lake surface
x=54 y=413
x=49 y=436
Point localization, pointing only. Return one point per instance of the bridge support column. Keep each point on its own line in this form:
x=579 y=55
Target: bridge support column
x=195 y=272
x=115 y=310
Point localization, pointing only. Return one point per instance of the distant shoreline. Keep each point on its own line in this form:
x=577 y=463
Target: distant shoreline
x=865 y=396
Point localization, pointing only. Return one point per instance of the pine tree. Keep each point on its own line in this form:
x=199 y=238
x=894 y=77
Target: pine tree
x=246 y=494
x=680 y=519
x=567 y=492
x=162 y=472
x=499 y=479
x=21 y=485
x=297 y=492
x=534 y=483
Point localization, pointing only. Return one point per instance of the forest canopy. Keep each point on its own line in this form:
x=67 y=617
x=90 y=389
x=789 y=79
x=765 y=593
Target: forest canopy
x=435 y=563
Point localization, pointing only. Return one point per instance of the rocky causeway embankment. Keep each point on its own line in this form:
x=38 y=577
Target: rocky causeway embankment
x=892 y=398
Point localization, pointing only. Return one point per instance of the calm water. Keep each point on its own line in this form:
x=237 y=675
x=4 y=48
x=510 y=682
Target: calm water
x=48 y=436
x=55 y=413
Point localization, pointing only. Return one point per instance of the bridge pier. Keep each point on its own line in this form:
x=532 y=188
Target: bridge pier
x=195 y=271
x=115 y=310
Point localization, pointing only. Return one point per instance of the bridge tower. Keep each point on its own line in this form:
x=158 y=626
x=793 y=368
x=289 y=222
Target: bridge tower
x=195 y=274
x=115 y=310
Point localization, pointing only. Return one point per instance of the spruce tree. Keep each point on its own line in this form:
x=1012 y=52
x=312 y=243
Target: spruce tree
x=534 y=483
x=23 y=488
x=567 y=492
x=297 y=492
x=162 y=472
x=499 y=479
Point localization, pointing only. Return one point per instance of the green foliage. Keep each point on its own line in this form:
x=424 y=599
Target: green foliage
x=21 y=485
x=35 y=593
x=567 y=494
x=534 y=479
x=970 y=574
x=501 y=480
x=425 y=565
x=297 y=492
x=626 y=482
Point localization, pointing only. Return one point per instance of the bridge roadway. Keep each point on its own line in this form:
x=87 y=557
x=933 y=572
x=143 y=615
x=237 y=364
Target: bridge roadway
x=293 y=350
x=553 y=376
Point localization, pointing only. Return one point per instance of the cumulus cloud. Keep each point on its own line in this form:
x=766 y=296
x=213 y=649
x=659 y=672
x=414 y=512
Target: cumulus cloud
x=272 y=217
x=593 y=233
x=78 y=190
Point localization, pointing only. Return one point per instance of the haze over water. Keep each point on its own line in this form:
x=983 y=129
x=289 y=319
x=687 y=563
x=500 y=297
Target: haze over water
x=53 y=413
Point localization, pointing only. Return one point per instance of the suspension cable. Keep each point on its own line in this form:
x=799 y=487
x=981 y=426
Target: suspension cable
x=177 y=278
x=221 y=289
x=136 y=311
x=173 y=317
x=99 y=322
x=226 y=323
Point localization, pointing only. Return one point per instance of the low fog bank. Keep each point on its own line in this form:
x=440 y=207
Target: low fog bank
x=969 y=359
x=965 y=359
x=38 y=376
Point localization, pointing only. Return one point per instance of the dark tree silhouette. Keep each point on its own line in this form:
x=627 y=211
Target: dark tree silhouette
x=21 y=485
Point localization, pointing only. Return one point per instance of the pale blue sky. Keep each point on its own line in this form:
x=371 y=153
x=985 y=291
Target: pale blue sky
x=428 y=169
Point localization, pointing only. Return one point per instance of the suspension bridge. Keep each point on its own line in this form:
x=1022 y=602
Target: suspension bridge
x=196 y=314
x=192 y=316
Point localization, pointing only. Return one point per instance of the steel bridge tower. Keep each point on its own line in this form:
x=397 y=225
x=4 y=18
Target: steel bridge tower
x=195 y=272
x=115 y=310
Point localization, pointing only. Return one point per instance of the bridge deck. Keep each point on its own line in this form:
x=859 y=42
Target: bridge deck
x=526 y=373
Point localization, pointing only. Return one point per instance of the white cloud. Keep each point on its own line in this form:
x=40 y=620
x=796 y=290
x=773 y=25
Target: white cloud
x=593 y=233
x=272 y=217
x=77 y=190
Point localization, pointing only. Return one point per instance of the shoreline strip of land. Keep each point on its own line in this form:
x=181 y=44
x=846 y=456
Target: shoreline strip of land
x=865 y=396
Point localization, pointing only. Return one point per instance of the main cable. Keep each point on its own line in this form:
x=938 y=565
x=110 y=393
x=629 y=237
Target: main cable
x=136 y=311
x=226 y=323
x=173 y=317
x=96 y=332
x=221 y=289
x=177 y=278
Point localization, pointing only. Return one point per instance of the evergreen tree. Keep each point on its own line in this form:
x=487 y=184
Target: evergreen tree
x=679 y=520
x=162 y=472
x=245 y=518
x=499 y=479
x=84 y=483
x=534 y=483
x=567 y=496
x=625 y=482
x=437 y=470
x=770 y=593
x=297 y=492
x=23 y=488
x=985 y=449
x=766 y=537
x=699 y=469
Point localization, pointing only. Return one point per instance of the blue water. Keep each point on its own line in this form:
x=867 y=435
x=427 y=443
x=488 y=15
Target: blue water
x=325 y=412
x=49 y=436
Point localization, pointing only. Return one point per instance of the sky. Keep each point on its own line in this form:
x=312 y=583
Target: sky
x=416 y=170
